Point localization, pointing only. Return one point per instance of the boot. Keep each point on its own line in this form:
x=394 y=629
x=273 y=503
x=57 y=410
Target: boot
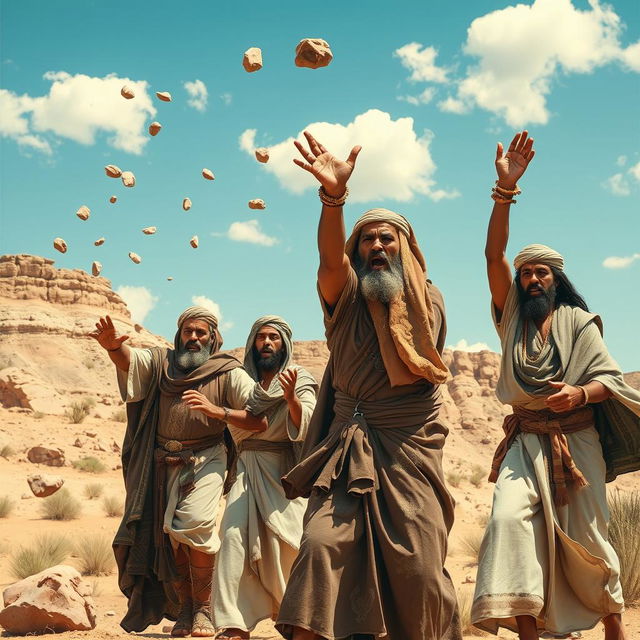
x=201 y=579
x=182 y=627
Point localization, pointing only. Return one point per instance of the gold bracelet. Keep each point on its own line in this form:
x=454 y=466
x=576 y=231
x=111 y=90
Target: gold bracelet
x=500 y=200
x=586 y=395
x=330 y=201
x=506 y=192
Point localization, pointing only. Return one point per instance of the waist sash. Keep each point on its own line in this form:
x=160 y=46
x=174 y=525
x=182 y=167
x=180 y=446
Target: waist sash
x=554 y=426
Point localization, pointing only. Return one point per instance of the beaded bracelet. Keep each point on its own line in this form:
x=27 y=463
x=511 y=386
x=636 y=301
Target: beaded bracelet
x=506 y=192
x=330 y=201
x=500 y=200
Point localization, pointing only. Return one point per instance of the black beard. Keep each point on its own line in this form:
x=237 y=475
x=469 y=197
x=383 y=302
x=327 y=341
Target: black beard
x=271 y=363
x=536 y=307
x=190 y=360
x=380 y=284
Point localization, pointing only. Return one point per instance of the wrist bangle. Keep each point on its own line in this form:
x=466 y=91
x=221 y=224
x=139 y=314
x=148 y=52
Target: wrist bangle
x=330 y=201
x=500 y=200
x=507 y=192
x=227 y=413
x=585 y=393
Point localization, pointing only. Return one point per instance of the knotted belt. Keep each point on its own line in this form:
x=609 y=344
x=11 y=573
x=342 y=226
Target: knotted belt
x=175 y=453
x=563 y=470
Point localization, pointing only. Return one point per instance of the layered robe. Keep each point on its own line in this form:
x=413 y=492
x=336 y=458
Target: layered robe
x=375 y=531
x=539 y=558
x=153 y=390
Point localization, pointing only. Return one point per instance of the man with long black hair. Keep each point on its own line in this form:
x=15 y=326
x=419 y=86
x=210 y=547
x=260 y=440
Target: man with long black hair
x=546 y=564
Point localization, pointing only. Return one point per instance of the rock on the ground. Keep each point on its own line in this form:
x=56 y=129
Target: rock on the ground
x=44 y=485
x=54 y=600
x=43 y=455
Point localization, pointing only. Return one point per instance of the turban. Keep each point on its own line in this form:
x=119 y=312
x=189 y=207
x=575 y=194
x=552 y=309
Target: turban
x=199 y=313
x=283 y=329
x=539 y=253
x=405 y=328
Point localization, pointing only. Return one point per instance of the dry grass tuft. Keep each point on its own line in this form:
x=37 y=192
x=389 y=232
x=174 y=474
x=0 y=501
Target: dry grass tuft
x=6 y=451
x=478 y=475
x=624 y=536
x=465 y=601
x=6 y=506
x=119 y=415
x=47 y=551
x=60 y=506
x=454 y=478
x=90 y=464
x=77 y=412
x=113 y=506
x=93 y=490
x=470 y=541
x=95 y=555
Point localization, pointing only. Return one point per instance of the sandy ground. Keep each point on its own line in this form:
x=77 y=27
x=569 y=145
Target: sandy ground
x=22 y=430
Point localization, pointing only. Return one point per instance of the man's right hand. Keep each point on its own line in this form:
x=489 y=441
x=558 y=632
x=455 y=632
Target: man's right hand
x=105 y=334
x=331 y=173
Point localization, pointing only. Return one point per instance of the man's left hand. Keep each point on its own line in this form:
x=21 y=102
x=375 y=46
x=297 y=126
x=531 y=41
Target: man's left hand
x=198 y=402
x=567 y=397
x=288 y=379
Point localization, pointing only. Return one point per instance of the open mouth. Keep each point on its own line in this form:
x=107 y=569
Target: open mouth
x=193 y=347
x=378 y=262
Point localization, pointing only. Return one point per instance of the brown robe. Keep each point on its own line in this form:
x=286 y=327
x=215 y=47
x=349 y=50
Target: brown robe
x=375 y=531
x=146 y=567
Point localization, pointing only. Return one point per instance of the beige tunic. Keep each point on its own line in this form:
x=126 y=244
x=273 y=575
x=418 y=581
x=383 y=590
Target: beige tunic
x=261 y=528
x=537 y=559
x=189 y=519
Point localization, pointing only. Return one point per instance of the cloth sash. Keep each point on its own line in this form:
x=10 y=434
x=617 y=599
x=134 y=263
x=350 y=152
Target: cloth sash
x=554 y=426
x=347 y=446
x=285 y=447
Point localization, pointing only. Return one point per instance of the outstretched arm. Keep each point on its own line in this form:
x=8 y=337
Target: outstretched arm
x=237 y=417
x=510 y=168
x=333 y=175
x=105 y=334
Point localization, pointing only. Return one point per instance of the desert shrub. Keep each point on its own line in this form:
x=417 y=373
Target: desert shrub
x=454 y=478
x=113 y=506
x=470 y=542
x=95 y=555
x=93 y=490
x=624 y=536
x=60 y=506
x=478 y=475
x=88 y=403
x=38 y=415
x=47 y=551
x=6 y=451
x=77 y=412
x=6 y=506
x=89 y=464
x=119 y=415
x=465 y=601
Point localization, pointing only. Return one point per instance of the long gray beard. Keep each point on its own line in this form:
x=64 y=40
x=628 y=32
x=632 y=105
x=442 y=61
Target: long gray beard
x=190 y=360
x=382 y=286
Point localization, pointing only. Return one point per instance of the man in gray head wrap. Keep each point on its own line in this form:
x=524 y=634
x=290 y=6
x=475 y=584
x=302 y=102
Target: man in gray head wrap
x=261 y=528
x=546 y=564
x=371 y=562
x=175 y=453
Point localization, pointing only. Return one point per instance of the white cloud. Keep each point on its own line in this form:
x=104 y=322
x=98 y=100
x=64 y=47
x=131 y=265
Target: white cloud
x=617 y=184
x=635 y=171
x=614 y=262
x=394 y=163
x=214 y=307
x=198 y=93
x=423 y=98
x=621 y=161
x=227 y=98
x=520 y=51
x=421 y=61
x=463 y=345
x=79 y=108
x=139 y=301
x=250 y=231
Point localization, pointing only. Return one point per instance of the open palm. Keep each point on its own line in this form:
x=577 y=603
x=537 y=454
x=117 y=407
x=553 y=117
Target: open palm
x=514 y=163
x=331 y=173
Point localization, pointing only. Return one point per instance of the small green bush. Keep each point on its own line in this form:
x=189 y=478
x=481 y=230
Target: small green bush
x=113 y=506
x=93 y=490
x=77 y=412
x=624 y=536
x=47 y=551
x=6 y=506
x=60 y=506
x=6 y=451
x=454 y=478
x=89 y=464
x=95 y=555
x=478 y=475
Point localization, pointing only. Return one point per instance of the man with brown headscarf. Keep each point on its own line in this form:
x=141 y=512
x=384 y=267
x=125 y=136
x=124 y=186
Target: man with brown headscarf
x=173 y=458
x=371 y=561
x=546 y=564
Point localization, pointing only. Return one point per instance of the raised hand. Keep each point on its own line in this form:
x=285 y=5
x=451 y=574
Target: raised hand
x=288 y=379
x=514 y=163
x=105 y=334
x=331 y=173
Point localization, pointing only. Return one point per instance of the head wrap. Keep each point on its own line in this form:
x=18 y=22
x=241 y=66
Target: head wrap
x=200 y=313
x=405 y=328
x=283 y=329
x=539 y=253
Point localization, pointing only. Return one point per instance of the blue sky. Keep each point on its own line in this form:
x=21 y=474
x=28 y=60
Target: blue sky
x=427 y=89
